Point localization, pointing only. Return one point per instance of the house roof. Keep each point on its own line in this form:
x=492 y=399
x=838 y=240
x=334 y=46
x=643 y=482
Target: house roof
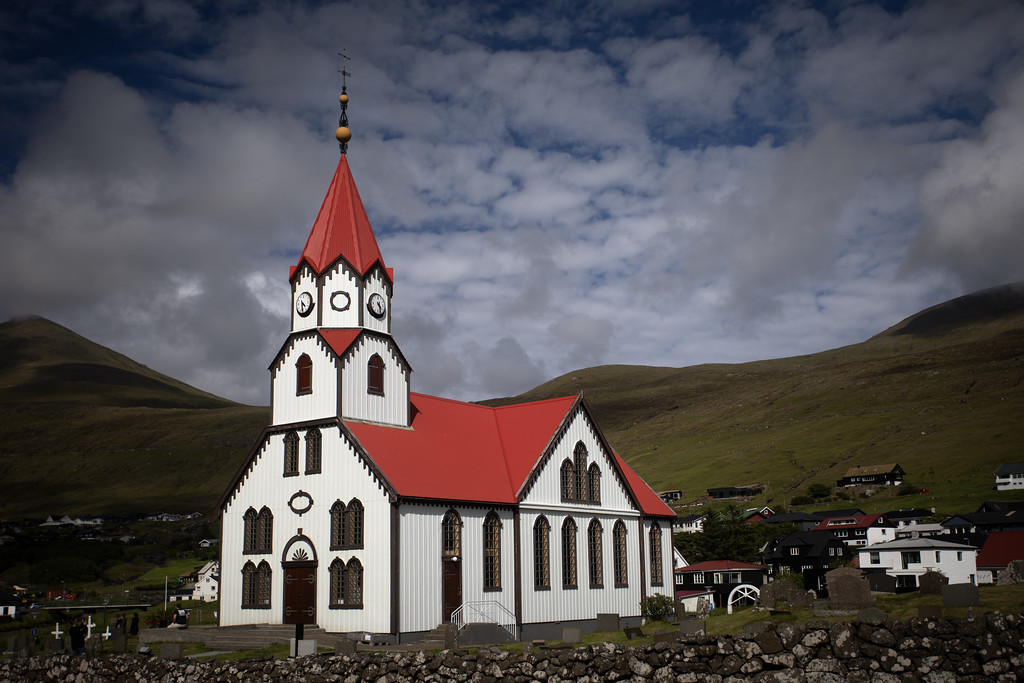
x=853 y=522
x=469 y=452
x=719 y=565
x=847 y=512
x=870 y=469
x=908 y=513
x=922 y=542
x=793 y=517
x=342 y=230
x=1010 y=468
x=1001 y=548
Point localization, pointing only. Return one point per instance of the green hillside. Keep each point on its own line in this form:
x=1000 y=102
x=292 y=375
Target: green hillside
x=87 y=430
x=940 y=393
x=84 y=429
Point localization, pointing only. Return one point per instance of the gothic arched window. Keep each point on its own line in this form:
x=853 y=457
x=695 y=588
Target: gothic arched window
x=594 y=483
x=541 y=554
x=566 y=480
x=354 y=584
x=595 y=559
x=619 y=539
x=375 y=375
x=569 y=553
x=337 y=525
x=303 y=375
x=354 y=524
x=291 y=453
x=492 y=552
x=250 y=533
x=451 y=535
x=655 y=539
x=313 y=451
x=265 y=535
x=579 y=483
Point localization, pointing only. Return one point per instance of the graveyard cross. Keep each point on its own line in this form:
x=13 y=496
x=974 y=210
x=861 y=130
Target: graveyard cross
x=57 y=633
x=89 y=626
x=106 y=634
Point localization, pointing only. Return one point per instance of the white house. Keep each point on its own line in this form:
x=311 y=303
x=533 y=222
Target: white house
x=908 y=558
x=207 y=586
x=858 y=531
x=367 y=508
x=1010 y=476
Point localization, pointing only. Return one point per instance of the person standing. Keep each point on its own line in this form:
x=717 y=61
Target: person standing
x=77 y=633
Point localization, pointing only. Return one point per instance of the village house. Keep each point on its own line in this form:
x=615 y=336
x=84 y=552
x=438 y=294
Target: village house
x=858 y=531
x=907 y=559
x=1010 y=476
x=719 y=578
x=808 y=553
x=207 y=585
x=367 y=508
x=1000 y=549
x=872 y=475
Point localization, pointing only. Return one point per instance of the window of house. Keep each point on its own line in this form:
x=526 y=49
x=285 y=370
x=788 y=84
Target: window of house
x=698 y=578
x=621 y=566
x=875 y=558
x=910 y=557
x=346 y=589
x=337 y=525
x=580 y=472
x=451 y=534
x=569 y=553
x=313 y=451
x=375 y=375
x=655 y=541
x=794 y=551
x=303 y=375
x=937 y=556
x=266 y=530
x=541 y=554
x=492 y=552
x=594 y=483
x=959 y=556
x=566 y=480
x=291 y=454
x=256 y=585
x=258 y=531
x=250 y=534
x=595 y=559
x=347 y=525
x=718 y=578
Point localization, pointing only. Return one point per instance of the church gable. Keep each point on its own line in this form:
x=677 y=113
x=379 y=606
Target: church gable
x=375 y=381
x=304 y=380
x=342 y=296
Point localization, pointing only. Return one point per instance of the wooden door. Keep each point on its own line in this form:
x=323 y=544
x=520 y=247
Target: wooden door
x=300 y=594
x=451 y=587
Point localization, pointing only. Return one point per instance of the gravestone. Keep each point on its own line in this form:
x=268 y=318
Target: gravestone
x=960 y=595
x=345 y=646
x=787 y=592
x=932 y=583
x=929 y=612
x=692 y=627
x=680 y=609
x=167 y=650
x=848 y=589
x=633 y=632
x=93 y=645
x=303 y=648
x=571 y=635
x=55 y=646
x=1013 y=574
x=119 y=643
x=881 y=582
x=527 y=648
x=703 y=608
x=17 y=643
x=607 y=622
x=666 y=636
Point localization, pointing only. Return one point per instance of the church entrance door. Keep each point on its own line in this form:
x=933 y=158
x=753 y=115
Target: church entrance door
x=300 y=593
x=451 y=587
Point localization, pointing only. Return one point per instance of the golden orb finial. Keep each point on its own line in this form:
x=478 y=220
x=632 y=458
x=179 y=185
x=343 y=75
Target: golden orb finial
x=343 y=134
x=343 y=98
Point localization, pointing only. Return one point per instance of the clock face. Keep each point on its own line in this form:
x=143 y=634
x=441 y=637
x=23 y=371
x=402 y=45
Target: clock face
x=304 y=304
x=376 y=305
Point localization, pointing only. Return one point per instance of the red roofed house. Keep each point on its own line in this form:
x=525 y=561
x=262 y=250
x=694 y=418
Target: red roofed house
x=366 y=508
x=859 y=531
x=999 y=550
x=720 y=578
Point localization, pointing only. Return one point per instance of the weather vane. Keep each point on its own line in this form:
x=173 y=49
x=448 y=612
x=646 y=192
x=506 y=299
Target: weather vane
x=343 y=133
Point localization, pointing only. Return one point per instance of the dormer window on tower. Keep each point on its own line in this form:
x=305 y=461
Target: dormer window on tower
x=375 y=375
x=303 y=375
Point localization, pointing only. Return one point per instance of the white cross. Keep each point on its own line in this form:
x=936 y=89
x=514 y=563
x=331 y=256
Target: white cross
x=106 y=634
x=89 y=626
x=57 y=633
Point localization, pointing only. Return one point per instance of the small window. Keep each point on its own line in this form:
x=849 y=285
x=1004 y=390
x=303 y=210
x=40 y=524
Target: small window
x=492 y=552
x=579 y=483
x=291 y=454
x=594 y=483
x=541 y=554
x=375 y=375
x=313 y=451
x=655 y=540
x=354 y=524
x=303 y=375
x=337 y=525
x=621 y=565
x=595 y=555
x=266 y=530
x=569 y=553
x=875 y=557
x=566 y=480
x=794 y=551
x=451 y=534
x=698 y=578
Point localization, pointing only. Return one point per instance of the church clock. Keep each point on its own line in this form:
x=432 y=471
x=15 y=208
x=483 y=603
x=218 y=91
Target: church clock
x=376 y=305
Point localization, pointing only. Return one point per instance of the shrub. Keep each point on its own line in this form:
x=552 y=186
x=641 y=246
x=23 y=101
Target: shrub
x=658 y=607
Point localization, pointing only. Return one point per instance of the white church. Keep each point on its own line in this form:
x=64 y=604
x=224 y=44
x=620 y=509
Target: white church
x=367 y=508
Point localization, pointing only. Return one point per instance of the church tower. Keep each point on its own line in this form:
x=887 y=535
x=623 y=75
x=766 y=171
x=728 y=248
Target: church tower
x=340 y=360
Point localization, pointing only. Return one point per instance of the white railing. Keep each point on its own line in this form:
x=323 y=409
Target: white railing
x=485 y=612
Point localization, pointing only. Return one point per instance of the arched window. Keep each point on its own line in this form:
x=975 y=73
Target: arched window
x=541 y=554
x=595 y=555
x=492 y=552
x=375 y=375
x=263 y=585
x=594 y=483
x=248 y=585
x=250 y=534
x=580 y=472
x=569 y=553
x=354 y=584
x=655 y=537
x=303 y=375
x=354 y=524
x=567 y=478
x=313 y=451
x=265 y=536
x=291 y=453
x=451 y=535
x=337 y=525
x=337 y=590
x=619 y=538
x=256 y=586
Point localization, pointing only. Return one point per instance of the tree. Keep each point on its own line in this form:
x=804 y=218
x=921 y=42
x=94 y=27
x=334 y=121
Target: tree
x=726 y=536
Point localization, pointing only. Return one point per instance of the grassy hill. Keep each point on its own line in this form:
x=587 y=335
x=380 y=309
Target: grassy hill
x=84 y=429
x=940 y=393
x=87 y=430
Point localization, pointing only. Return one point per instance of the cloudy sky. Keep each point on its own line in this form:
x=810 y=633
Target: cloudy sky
x=556 y=184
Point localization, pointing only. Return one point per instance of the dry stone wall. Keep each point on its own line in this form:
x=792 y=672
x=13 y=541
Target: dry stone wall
x=943 y=650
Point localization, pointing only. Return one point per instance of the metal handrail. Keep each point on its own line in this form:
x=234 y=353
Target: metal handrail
x=485 y=612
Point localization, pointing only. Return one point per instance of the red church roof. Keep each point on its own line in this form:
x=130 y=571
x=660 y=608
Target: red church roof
x=1001 y=548
x=469 y=452
x=342 y=229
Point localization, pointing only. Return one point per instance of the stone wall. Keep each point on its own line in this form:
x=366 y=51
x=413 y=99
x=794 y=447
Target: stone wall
x=975 y=649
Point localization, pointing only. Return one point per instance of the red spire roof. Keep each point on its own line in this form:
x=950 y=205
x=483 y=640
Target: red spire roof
x=342 y=229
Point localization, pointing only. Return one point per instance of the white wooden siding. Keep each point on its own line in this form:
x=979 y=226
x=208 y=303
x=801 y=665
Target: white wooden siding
x=357 y=403
x=342 y=477
x=667 y=586
x=340 y=280
x=323 y=401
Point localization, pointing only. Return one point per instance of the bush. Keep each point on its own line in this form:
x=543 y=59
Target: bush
x=658 y=607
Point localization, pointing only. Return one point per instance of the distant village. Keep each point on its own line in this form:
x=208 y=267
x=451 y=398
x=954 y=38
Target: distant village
x=894 y=550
